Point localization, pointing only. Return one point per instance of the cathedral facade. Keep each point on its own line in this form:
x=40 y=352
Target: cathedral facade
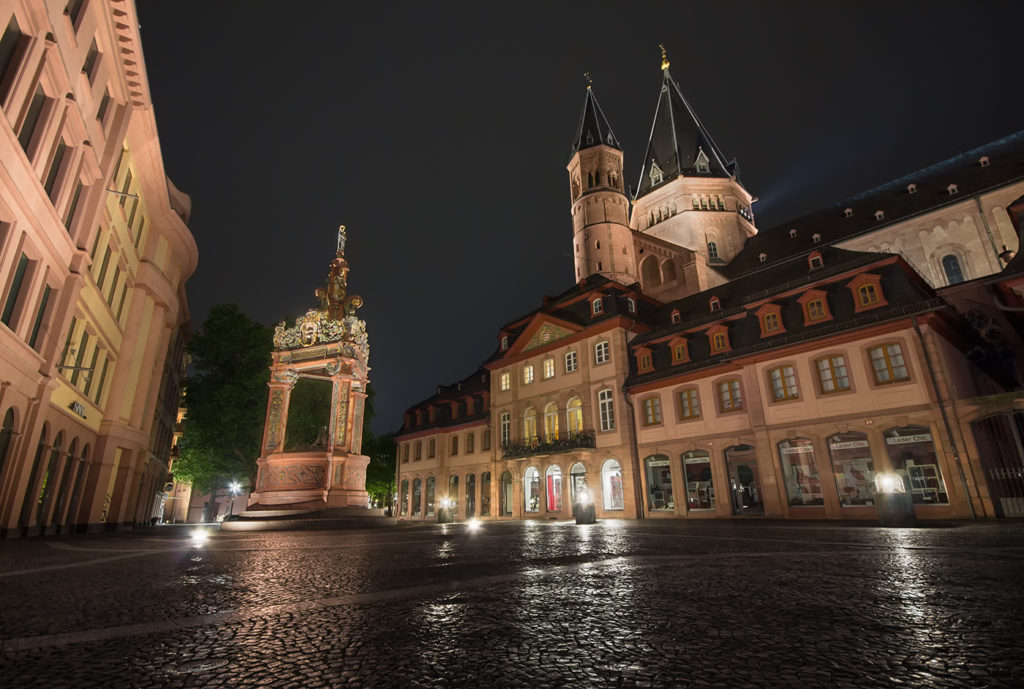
x=701 y=368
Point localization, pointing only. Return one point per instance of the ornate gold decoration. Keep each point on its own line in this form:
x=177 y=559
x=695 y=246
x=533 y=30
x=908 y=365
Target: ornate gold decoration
x=664 y=57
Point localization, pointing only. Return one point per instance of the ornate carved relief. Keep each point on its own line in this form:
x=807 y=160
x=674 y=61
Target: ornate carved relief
x=274 y=419
x=297 y=475
x=340 y=413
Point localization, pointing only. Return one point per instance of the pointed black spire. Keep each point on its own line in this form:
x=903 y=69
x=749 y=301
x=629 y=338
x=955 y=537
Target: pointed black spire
x=679 y=143
x=593 y=129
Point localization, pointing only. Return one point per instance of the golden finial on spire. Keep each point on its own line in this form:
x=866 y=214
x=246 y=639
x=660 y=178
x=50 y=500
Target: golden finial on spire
x=664 y=57
x=590 y=82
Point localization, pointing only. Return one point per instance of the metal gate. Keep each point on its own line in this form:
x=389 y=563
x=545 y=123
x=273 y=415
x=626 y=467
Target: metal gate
x=1000 y=441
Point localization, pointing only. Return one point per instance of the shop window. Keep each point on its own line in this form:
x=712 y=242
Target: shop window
x=832 y=374
x=531 y=490
x=404 y=508
x=506 y=381
x=574 y=415
x=912 y=455
x=453 y=493
x=659 y=483
x=652 y=411
x=485 y=494
x=783 y=383
x=417 y=502
x=530 y=425
x=549 y=368
x=470 y=496
x=853 y=467
x=700 y=486
x=527 y=374
x=571 y=362
x=506 y=429
x=611 y=482
x=602 y=352
x=606 y=408
x=729 y=398
x=803 y=487
x=888 y=364
x=550 y=422
x=553 y=486
x=689 y=404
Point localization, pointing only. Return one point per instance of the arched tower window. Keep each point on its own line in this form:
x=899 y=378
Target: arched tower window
x=712 y=250
x=650 y=272
x=951 y=266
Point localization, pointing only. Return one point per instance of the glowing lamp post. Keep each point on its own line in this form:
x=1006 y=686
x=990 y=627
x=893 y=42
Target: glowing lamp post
x=235 y=488
x=446 y=512
x=895 y=505
x=585 y=511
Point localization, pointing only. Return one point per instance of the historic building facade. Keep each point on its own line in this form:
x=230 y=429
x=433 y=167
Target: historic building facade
x=94 y=254
x=700 y=368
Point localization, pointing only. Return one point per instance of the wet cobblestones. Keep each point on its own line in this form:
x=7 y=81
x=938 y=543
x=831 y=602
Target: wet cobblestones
x=522 y=605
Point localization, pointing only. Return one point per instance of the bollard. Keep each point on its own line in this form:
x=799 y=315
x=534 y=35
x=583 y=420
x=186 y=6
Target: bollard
x=586 y=512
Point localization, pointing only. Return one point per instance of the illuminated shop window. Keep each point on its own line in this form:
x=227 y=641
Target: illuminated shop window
x=700 y=486
x=531 y=490
x=611 y=482
x=553 y=486
x=803 y=487
x=912 y=455
x=853 y=468
x=659 y=483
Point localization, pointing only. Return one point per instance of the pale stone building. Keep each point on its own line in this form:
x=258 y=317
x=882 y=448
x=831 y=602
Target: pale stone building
x=700 y=368
x=94 y=254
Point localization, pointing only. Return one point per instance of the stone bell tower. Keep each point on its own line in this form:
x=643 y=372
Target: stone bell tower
x=329 y=345
x=602 y=239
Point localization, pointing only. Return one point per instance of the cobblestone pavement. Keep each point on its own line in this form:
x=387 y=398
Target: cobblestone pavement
x=544 y=605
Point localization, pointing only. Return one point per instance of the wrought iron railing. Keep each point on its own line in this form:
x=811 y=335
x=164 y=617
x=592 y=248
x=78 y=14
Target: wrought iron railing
x=541 y=445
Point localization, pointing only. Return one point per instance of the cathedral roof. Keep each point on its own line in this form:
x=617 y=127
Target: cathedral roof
x=593 y=129
x=949 y=182
x=679 y=144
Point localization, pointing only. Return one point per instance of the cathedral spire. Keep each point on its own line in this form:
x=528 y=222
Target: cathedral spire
x=679 y=144
x=593 y=129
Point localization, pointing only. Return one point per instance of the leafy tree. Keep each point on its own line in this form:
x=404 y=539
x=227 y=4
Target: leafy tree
x=380 y=472
x=226 y=399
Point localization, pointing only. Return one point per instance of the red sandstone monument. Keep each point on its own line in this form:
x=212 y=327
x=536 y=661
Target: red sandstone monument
x=326 y=346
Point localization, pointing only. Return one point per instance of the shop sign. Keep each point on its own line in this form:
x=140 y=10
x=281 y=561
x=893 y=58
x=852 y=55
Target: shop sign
x=657 y=462
x=798 y=450
x=697 y=460
x=77 y=408
x=909 y=439
x=848 y=444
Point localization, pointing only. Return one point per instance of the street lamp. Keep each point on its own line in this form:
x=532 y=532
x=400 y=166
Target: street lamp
x=235 y=487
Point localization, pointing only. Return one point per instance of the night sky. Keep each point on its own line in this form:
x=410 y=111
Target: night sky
x=438 y=133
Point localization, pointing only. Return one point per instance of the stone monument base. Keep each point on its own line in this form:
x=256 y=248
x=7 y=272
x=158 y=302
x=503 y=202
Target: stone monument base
x=311 y=480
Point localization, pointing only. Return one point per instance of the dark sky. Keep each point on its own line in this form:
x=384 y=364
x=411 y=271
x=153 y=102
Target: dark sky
x=439 y=134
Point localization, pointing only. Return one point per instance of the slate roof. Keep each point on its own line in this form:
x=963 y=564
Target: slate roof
x=677 y=137
x=477 y=385
x=1005 y=166
x=593 y=128
x=905 y=291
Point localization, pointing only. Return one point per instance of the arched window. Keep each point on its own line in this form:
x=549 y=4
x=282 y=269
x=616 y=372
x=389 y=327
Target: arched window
x=79 y=485
x=429 y=497
x=659 y=483
x=470 y=496
x=505 y=496
x=46 y=489
x=65 y=483
x=951 y=266
x=530 y=425
x=611 y=482
x=650 y=272
x=404 y=493
x=417 y=498
x=531 y=490
x=577 y=481
x=574 y=415
x=453 y=492
x=668 y=271
x=712 y=250
x=551 y=422
x=553 y=485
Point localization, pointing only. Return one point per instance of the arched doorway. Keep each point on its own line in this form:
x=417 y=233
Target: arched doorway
x=611 y=482
x=553 y=486
x=744 y=481
x=531 y=490
x=507 y=493
x=577 y=482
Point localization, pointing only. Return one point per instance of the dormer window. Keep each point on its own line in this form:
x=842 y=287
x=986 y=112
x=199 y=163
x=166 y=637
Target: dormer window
x=656 y=174
x=952 y=189
x=983 y=161
x=816 y=238
x=867 y=292
x=597 y=306
x=643 y=360
x=815 y=261
x=718 y=337
x=848 y=213
x=769 y=317
x=676 y=316
x=714 y=304
x=911 y=188
x=680 y=354
x=630 y=305
x=702 y=162
x=879 y=215
x=762 y=257
x=504 y=342
x=792 y=233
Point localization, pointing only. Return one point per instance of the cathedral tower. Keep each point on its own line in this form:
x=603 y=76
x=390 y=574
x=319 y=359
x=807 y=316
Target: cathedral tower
x=602 y=240
x=687 y=193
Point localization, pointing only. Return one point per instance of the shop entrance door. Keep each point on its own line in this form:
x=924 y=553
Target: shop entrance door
x=744 y=481
x=577 y=483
